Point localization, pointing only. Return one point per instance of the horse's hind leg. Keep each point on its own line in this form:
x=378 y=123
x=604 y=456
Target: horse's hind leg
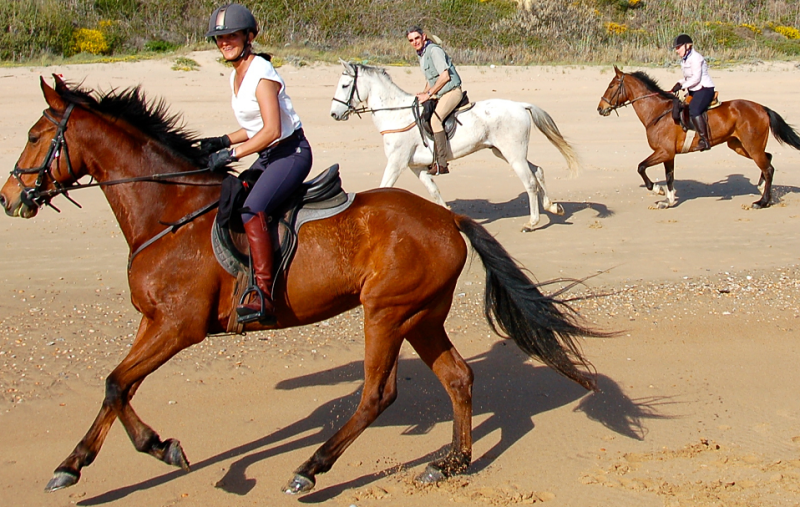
x=382 y=345
x=525 y=171
x=436 y=350
x=547 y=204
x=764 y=163
x=148 y=352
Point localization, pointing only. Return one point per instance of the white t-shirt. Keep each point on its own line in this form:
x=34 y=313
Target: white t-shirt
x=695 y=72
x=245 y=106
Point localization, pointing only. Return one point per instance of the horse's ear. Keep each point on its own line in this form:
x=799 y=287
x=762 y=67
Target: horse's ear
x=348 y=67
x=61 y=86
x=51 y=96
x=617 y=71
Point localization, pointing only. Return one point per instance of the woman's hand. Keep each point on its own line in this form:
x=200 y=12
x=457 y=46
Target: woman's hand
x=209 y=145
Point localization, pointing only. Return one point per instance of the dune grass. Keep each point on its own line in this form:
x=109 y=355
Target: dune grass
x=474 y=31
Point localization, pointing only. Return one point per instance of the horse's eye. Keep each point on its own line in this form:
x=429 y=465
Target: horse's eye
x=33 y=138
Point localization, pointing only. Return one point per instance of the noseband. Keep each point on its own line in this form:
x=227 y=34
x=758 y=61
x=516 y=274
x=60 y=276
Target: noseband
x=37 y=196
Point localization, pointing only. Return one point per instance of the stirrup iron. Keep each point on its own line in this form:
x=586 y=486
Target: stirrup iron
x=245 y=315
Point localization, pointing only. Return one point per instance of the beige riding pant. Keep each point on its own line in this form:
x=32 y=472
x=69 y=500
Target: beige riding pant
x=445 y=106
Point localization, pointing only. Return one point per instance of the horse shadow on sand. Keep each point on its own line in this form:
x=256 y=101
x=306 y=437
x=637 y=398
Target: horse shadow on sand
x=507 y=386
x=734 y=185
x=487 y=212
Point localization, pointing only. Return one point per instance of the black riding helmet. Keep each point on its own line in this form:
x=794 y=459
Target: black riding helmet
x=231 y=18
x=681 y=39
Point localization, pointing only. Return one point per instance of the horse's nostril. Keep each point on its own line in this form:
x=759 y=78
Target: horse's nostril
x=2 y=200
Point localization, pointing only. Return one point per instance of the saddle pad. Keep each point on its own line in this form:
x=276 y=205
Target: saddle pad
x=231 y=260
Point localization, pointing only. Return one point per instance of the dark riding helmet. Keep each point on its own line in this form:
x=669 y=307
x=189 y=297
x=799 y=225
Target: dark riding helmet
x=681 y=39
x=231 y=18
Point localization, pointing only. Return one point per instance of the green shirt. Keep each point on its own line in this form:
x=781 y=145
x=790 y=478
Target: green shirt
x=433 y=61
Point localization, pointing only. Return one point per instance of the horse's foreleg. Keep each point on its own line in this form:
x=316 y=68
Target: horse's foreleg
x=147 y=353
x=379 y=391
x=430 y=185
x=436 y=350
x=669 y=192
x=657 y=157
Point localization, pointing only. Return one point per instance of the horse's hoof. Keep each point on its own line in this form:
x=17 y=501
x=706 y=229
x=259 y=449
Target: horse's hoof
x=528 y=228
x=62 y=479
x=758 y=205
x=559 y=210
x=174 y=455
x=299 y=484
x=431 y=475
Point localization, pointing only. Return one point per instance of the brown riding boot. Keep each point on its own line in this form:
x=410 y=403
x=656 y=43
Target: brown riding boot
x=439 y=165
x=259 y=307
x=701 y=126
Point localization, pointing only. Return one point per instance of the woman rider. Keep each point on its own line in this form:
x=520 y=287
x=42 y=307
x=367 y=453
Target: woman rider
x=443 y=83
x=697 y=81
x=270 y=127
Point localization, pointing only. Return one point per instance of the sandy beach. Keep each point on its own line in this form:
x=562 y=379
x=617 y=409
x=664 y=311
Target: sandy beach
x=698 y=402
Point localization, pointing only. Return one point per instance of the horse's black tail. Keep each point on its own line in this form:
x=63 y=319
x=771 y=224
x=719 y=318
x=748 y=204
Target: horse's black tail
x=782 y=131
x=543 y=327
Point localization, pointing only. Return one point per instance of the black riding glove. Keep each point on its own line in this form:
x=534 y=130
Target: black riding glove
x=219 y=160
x=676 y=88
x=209 y=145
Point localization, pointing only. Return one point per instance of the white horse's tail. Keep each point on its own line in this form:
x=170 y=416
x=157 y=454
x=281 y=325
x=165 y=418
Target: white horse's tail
x=544 y=122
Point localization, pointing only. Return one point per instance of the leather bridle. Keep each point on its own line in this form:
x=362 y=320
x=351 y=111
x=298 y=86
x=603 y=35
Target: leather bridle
x=621 y=93
x=358 y=110
x=37 y=195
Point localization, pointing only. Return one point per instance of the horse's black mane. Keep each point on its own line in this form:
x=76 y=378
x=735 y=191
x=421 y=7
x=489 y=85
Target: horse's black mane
x=151 y=117
x=651 y=84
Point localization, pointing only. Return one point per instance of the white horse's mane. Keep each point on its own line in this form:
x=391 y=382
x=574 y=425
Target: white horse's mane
x=378 y=72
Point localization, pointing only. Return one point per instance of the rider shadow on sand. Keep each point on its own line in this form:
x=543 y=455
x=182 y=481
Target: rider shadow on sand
x=510 y=388
x=487 y=212
x=734 y=185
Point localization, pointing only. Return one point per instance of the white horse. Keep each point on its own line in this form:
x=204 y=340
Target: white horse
x=502 y=125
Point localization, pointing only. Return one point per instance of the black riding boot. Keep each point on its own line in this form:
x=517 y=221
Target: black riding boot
x=439 y=165
x=260 y=307
x=701 y=126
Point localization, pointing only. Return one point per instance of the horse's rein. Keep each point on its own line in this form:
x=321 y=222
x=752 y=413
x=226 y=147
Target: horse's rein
x=36 y=196
x=358 y=110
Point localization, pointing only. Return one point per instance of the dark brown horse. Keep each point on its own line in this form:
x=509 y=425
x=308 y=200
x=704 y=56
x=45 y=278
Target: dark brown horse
x=743 y=124
x=396 y=254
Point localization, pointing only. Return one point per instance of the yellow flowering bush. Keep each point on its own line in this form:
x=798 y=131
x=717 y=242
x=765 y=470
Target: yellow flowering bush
x=615 y=28
x=86 y=40
x=788 y=32
x=753 y=28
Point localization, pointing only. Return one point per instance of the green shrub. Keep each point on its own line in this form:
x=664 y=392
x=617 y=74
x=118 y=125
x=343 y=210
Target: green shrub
x=160 y=46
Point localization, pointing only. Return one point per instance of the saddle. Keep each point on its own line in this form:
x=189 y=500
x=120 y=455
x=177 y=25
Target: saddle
x=680 y=110
x=319 y=198
x=450 y=122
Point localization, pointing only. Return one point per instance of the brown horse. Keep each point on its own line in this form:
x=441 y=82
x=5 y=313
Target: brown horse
x=394 y=253
x=743 y=124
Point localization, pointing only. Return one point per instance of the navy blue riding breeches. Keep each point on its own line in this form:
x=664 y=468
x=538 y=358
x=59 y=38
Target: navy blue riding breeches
x=701 y=99
x=284 y=168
